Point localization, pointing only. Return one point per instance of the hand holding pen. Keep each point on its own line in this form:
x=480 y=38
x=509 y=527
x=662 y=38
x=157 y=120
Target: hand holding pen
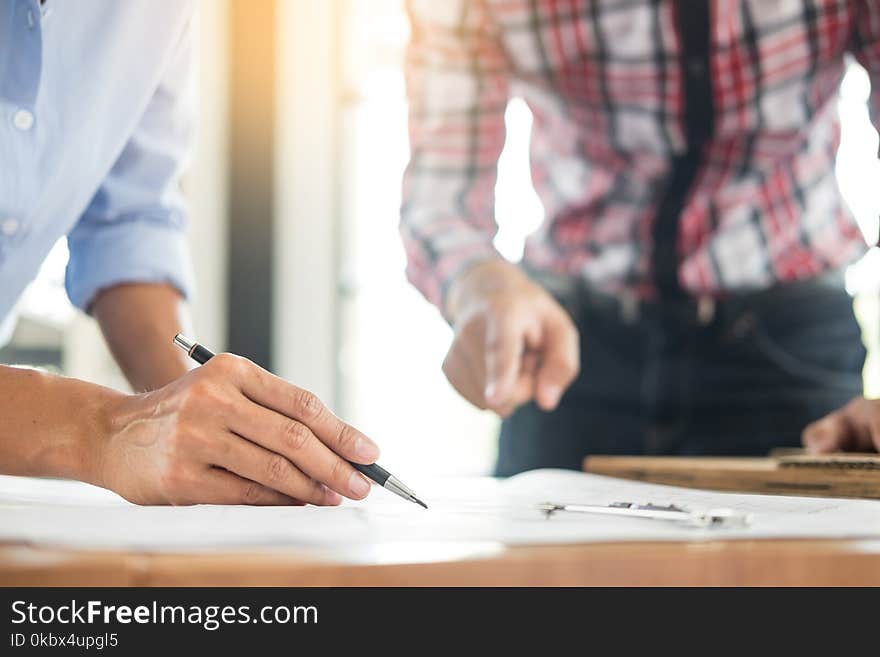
x=346 y=435
x=230 y=432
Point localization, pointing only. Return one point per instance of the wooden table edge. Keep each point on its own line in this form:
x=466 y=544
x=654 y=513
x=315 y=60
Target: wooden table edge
x=803 y=562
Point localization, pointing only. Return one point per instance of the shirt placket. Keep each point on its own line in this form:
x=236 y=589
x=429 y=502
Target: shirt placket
x=21 y=53
x=667 y=392
x=693 y=26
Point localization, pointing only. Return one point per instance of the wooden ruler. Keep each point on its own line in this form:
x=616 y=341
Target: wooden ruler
x=785 y=473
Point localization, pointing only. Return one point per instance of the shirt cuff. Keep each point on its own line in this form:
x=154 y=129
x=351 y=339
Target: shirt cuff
x=127 y=252
x=433 y=268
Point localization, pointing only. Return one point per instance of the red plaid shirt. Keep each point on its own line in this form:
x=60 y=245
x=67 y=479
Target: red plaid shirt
x=615 y=89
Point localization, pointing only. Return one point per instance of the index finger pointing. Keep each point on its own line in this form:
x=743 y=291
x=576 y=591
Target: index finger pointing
x=560 y=362
x=504 y=348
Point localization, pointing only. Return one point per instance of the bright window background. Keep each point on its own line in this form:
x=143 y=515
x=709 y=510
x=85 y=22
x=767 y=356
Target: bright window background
x=858 y=173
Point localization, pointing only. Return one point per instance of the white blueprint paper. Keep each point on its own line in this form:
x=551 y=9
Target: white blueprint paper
x=72 y=514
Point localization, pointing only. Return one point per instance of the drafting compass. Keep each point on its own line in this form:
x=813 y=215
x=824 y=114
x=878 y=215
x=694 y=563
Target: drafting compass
x=671 y=513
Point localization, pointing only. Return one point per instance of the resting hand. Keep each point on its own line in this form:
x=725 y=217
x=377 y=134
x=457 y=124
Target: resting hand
x=853 y=428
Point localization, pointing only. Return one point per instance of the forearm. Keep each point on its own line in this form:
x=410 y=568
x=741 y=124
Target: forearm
x=52 y=426
x=139 y=321
x=458 y=85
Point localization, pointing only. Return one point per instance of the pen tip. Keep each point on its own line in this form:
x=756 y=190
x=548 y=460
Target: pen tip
x=419 y=502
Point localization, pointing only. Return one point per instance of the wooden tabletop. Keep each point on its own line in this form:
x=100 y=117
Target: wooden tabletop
x=720 y=563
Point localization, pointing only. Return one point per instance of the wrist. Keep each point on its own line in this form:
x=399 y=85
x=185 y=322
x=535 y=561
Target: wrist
x=53 y=426
x=96 y=432
x=481 y=281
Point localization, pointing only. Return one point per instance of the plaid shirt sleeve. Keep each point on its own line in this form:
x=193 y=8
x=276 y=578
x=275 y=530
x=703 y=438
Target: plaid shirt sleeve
x=458 y=90
x=867 y=51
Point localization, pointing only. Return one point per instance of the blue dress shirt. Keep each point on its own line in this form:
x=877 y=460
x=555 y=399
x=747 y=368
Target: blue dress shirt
x=96 y=120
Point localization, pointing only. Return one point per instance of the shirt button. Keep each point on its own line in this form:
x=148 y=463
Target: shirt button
x=23 y=120
x=9 y=227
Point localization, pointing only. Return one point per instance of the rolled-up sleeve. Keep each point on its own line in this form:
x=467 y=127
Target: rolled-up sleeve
x=133 y=230
x=458 y=89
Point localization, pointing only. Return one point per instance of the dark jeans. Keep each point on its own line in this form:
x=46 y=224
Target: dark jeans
x=741 y=382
